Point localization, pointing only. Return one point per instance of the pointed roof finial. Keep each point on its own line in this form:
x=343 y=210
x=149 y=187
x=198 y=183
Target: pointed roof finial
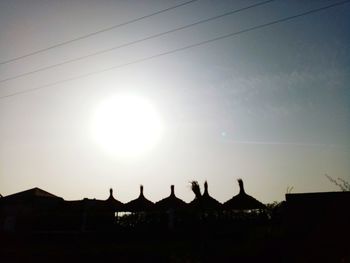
x=172 y=189
x=241 y=187
x=110 y=192
x=141 y=190
x=205 y=188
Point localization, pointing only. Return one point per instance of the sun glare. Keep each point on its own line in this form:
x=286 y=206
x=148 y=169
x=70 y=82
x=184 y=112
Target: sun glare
x=126 y=125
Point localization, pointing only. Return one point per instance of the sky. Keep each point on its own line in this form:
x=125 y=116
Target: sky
x=270 y=106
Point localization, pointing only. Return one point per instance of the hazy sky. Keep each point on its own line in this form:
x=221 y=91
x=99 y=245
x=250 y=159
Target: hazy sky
x=270 y=106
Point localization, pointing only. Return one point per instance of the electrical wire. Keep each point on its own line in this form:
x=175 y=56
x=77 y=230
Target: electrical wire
x=134 y=42
x=181 y=48
x=96 y=32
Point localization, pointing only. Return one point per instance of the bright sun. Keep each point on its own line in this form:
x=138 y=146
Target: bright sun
x=126 y=125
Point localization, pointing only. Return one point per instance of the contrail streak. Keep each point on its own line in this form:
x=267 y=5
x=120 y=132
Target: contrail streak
x=289 y=143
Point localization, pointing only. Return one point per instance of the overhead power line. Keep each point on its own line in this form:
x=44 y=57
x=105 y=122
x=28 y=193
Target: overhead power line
x=63 y=43
x=181 y=48
x=135 y=41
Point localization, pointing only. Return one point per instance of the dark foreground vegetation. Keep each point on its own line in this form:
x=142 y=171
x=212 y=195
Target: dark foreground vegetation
x=36 y=226
x=271 y=236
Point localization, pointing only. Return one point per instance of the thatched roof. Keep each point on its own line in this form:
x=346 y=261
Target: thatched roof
x=243 y=201
x=139 y=204
x=205 y=201
x=112 y=203
x=171 y=202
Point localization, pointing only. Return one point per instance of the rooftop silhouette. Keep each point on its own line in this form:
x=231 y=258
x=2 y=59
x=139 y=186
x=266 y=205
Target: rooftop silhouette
x=243 y=201
x=139 y=204
x=205 y=201
x=30 y=194
x=112 y=203
x=170 y=202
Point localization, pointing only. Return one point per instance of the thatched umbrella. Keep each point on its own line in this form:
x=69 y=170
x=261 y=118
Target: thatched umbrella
x=139 y=204
x=171 y=205
x=205 y=201
x=243 y=201
x=113 y=204
x=170 y=202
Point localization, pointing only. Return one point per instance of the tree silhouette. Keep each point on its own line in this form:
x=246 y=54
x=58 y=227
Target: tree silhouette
x=341 y=183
